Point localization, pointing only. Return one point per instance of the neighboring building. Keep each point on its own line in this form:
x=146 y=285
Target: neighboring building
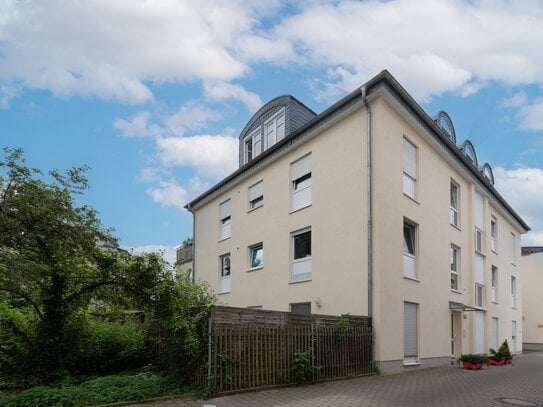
x=369 y=208
x=532 y=297
x=183 y=263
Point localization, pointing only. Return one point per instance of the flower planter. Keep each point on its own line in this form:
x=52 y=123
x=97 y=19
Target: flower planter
x=472 y=366
x=496 y=361
x=508 y=361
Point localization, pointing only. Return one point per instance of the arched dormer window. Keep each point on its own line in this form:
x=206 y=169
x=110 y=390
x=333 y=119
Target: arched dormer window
x=469 y=151
x=443 y=120
x=486 y=170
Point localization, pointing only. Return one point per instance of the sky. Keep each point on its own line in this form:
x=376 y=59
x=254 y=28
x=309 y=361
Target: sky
x=152 y=95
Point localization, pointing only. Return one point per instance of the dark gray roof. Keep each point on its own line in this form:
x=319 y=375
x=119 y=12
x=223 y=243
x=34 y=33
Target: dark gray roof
x=384 y=80
x=531 y=250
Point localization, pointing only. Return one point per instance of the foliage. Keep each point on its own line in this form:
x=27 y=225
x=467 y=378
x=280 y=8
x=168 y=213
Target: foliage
x=474 y=359
x=341 y=330
x=107 y=389
x=303 y=369
x=502 y=352
x=57 y=262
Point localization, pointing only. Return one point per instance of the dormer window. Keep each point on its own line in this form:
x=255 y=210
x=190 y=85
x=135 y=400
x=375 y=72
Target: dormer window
x=253 y=145
x=274 y=128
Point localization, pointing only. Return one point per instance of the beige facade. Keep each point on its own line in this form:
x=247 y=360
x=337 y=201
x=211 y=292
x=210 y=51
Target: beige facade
x=532 y=300
x=351 y=213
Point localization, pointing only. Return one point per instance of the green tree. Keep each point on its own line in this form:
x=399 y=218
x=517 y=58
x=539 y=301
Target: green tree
x=49 y=259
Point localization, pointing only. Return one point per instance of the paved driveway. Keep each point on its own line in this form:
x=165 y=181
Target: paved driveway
x=520 y=384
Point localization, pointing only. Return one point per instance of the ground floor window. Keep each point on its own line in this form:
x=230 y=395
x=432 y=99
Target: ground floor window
x=410 y=331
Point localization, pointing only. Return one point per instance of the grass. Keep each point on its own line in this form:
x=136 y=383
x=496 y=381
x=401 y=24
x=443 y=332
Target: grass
x=102 y=390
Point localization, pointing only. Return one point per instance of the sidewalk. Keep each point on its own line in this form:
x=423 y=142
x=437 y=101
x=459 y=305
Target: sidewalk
x=519 y=384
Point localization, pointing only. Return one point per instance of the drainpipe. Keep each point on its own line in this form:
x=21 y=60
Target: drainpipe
x=189 y=208
x=369 y=197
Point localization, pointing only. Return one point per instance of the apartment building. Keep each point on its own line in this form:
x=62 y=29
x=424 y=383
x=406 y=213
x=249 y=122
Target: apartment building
x=371 y=207
x=532 y=300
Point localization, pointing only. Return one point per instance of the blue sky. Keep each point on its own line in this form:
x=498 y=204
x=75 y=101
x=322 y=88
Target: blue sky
x=153 y=94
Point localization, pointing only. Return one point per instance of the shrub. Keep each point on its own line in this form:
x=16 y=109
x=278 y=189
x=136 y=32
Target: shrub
x=108 y=347
x=302 y=367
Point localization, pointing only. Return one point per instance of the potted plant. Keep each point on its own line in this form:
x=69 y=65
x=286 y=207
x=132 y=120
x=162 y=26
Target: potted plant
x=496 y=358
x=473 y=362
x=505 y=352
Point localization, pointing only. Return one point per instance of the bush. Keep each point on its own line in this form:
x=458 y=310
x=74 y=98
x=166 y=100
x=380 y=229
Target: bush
x=109 y=389
x=108 y=347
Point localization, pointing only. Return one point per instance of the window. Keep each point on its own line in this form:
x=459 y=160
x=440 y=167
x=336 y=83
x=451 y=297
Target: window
x=454 y=268
x=409 y=169
x=494 y=344
x=301 y=256
x=253 y=145
x=493 y=234
x=410 y=332
x=224 y=219
x=301 y=307
x=256 y=195
x=478 y=240
x=513 y=249
x=494 y=284
x=513 y=292
x=256 y=256
x=478 y=295
x=224 y=264
x=300 y=175
x=454 y=204
x=409 y=250
x=190 y=275
x=274 y=128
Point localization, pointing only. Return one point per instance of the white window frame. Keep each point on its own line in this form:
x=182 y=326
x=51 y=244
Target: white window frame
x=225 y=273
x=478 y=239
x=300 y=266
x=454 y=195
x=255 y=194
x=494 y=284
x=410 y=232
x=410 y=165
x=494 y=234
x=513 y=292
x=513 y=248
x=454 y=257
x=411 y=333
x=479 y=295
x=225 y=219
x=301 y=183
x=254 y=139
x=253 y=256
x=274 y=128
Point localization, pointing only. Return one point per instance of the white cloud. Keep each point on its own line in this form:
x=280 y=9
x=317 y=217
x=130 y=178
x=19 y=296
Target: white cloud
x=169 y=193
x=531 y=116
x=114 y=49
x=212 y=156
x=169 y=253
x=430 y=46
x=137 y=126
x=191 y=116
x=6 y=94
x=219 y=91
x=523 y=189
x=517 y=100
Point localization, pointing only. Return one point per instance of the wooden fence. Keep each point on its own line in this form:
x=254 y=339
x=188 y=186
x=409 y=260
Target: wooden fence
x=254 y=348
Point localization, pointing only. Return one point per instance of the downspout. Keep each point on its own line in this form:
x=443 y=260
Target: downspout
x=189 y=208
x=369 y=198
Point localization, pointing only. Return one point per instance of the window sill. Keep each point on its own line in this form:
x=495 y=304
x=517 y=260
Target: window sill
x=494 y=251
x=414 y=363
x=412 y=279
x=255 y=269
x=224 y=292
x=456 y=227
x=480 y=252
x=411 y=198
x=495 y=302
x=255 y=208
x=224 y=238
x=301 y=281
x=456 y=291
x=299 y=209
